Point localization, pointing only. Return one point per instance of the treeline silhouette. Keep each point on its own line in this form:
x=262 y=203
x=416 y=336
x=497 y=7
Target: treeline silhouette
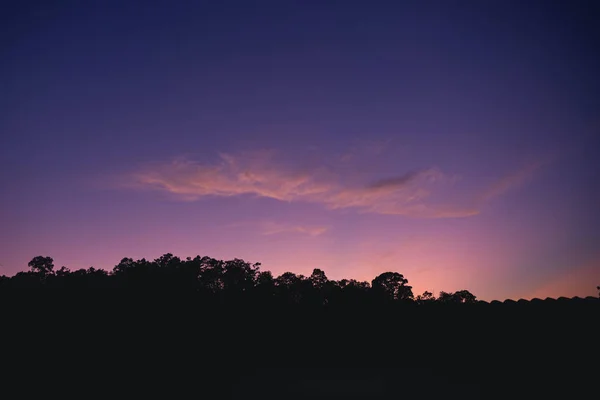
x=238 y=281
x=225 y=329
x=233 y=280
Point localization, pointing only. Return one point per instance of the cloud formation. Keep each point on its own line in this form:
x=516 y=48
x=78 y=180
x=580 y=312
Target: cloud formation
x=230 y=177
x=257 y=174
x=511 y=181
x=273 y=228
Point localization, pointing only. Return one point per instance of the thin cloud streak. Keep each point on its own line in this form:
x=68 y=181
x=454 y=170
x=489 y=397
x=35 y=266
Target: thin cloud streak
x=510 y=181
x=403 y=180
x=273 y=228
x=256 y=174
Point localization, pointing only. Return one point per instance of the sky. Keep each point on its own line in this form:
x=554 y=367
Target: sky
x=454 y=142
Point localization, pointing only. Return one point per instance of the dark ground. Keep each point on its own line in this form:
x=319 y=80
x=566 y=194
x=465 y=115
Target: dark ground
x=91 y=346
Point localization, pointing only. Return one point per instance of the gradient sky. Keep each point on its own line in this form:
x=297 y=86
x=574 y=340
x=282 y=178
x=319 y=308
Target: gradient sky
x=455 y=142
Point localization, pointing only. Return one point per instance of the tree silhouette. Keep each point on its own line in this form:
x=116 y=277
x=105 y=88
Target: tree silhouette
x=265 y=279
x=425 y=298
x=167 y=260
x=320 y=287
x=239 y=276
x=462 y=296
x=265 y=286
x=63 y=271
x=318 y=278
x=289 y=287
x=41 y=265
x=392 y=286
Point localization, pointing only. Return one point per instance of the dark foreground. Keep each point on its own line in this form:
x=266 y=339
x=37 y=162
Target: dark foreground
x=99 y=346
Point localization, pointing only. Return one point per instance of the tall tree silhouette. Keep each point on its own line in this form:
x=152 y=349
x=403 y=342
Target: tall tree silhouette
x=392 y=286
x=320 y=287
x=318 y=278
x=289 y=287
x=239 y=276
x=41 y=265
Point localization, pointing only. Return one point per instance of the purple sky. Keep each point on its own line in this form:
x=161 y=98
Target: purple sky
x=452 y=141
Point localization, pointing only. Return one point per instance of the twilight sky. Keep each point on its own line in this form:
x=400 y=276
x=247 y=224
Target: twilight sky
x=452 y=141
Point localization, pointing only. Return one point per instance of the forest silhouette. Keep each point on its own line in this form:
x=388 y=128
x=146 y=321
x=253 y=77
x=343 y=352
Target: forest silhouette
x=238 y=281
x=225 y=329
x=233 y=280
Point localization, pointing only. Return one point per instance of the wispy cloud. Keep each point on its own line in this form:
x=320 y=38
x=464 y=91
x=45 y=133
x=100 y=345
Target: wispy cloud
x=230 y=176
x=403 y=180
x=273 y=228
x=510 y=181
x=258 y=174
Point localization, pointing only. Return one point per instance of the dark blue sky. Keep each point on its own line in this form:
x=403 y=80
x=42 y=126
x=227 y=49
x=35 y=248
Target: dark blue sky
x=453 y=141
